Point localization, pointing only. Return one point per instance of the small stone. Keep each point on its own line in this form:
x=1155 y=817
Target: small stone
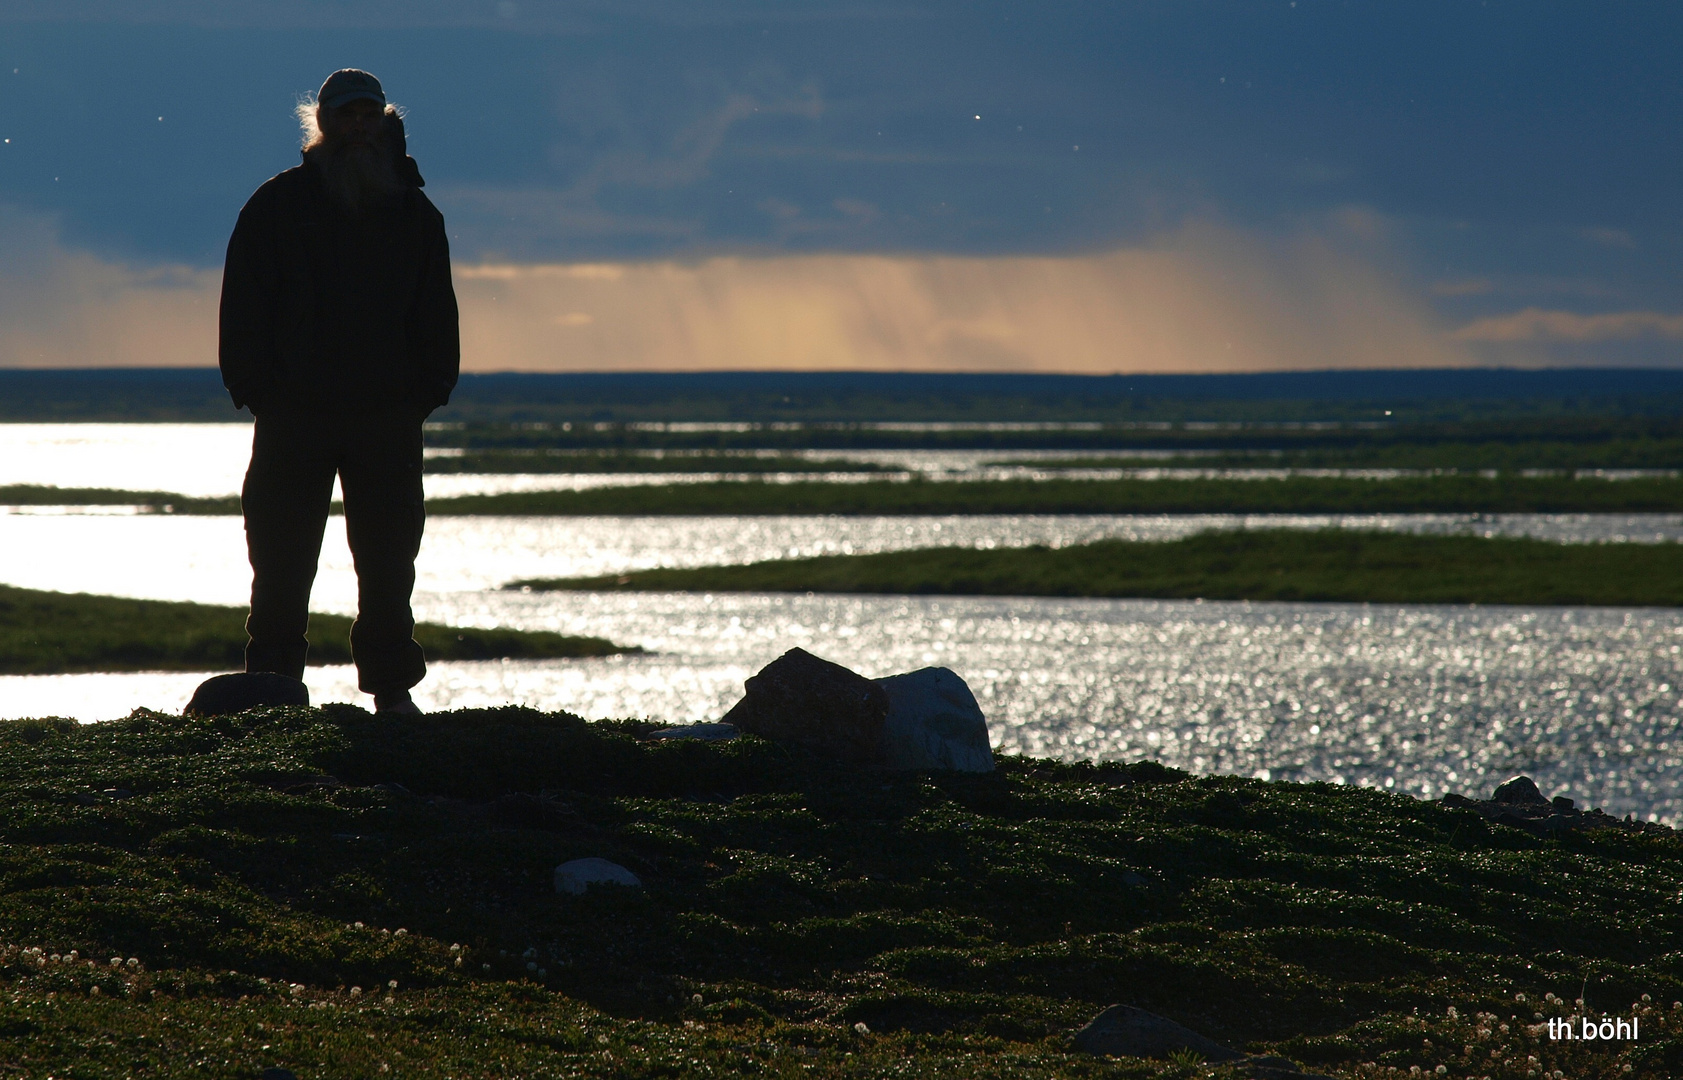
x=704 y=732
x=579 y=874
x=223 y=695
x=934 y=723
x=1521 y=791
x=805 y=701
x=1125 y=1031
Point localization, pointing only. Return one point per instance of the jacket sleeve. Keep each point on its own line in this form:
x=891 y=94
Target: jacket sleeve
x=247 y=344
x=436 y=324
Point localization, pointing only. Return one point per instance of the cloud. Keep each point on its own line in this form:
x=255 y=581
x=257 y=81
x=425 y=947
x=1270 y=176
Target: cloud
x=577 y=16
x=1612 y=238
x=1463 y=287
x=1205 y=298
x=1540 y=325
x=60 y=307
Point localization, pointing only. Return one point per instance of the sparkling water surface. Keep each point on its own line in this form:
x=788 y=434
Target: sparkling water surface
x=1418 y=699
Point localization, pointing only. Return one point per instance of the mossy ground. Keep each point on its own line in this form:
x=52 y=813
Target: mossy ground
x=1260 y=564
x=293 y=886
x=51 y=633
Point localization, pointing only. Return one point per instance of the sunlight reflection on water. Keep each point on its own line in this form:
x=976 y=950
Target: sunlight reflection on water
x=1422 y=699
x=1418 y=699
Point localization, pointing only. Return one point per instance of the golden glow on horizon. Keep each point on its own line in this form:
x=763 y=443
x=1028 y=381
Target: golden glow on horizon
x=1205 y=299
x=1202 y=299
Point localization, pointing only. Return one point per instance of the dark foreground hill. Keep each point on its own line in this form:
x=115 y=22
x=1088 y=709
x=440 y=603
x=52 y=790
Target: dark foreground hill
x=347 y=896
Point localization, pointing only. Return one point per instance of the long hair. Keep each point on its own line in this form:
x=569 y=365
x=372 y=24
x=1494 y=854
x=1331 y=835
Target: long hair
x=306 y=111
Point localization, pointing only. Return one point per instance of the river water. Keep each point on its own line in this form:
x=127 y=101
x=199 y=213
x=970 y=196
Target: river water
x=1421 y=699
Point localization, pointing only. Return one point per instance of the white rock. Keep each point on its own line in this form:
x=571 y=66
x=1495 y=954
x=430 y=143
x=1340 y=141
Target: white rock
x=577 y=876
x=935 y=723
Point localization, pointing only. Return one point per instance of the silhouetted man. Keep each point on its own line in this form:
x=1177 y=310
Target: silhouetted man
x=339 y=334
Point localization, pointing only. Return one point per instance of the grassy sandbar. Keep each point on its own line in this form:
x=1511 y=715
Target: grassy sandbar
x=1436 y=494
x=49 y=633
x=1295 y=495
x=1272 y=564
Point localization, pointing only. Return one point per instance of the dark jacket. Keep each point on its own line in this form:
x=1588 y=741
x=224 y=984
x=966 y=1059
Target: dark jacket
x=322 y=310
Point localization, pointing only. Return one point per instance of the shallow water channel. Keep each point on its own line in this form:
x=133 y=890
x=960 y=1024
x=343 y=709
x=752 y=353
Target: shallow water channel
x=1418 y=699
x=1424 y=699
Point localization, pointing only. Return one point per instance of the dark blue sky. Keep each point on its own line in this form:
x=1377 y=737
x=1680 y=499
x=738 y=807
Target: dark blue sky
x=1516 y=154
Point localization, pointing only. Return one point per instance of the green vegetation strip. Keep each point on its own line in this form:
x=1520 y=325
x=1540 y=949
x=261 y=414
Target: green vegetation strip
x=350 y=896
x=162 y=502
x=1442 y=494
x=1297 y=495
x=48 y=633
x=1272 y=564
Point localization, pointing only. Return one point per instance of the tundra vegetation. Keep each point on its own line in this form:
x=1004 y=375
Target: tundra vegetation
x=50 y=633
x=1450 y=493
x=1276 y=564
x=347 y=895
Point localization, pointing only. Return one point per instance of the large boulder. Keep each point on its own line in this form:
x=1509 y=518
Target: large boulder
x=934 y=723
x=824 y=707
x=1520 y=791
x=226 y=694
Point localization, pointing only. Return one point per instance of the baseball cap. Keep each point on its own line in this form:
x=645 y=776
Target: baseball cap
x=349 y=84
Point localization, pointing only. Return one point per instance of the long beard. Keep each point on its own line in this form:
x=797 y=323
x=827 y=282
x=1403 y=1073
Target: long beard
x=359 y=177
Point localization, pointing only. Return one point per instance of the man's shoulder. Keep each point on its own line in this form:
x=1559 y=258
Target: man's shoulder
x=424 y=207
x=279 y=190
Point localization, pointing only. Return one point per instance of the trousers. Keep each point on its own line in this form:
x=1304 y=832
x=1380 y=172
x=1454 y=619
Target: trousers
x=376 y=454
